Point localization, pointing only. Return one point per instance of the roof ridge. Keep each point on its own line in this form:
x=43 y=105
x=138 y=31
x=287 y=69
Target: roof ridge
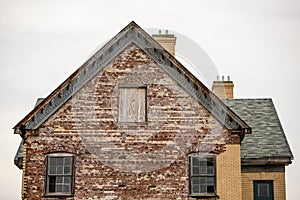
x=132 y=33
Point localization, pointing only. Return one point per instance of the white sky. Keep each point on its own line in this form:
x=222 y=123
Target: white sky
x=256 y=42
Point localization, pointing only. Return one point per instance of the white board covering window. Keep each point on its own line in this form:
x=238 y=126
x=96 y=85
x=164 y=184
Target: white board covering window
x=132 y=104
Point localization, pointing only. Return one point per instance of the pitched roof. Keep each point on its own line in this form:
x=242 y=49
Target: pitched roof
x=132 y=34
x=267 y=139
x=18 y=160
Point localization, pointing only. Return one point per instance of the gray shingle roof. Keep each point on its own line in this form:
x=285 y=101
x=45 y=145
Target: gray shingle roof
x=267 y=138
x=18 y=160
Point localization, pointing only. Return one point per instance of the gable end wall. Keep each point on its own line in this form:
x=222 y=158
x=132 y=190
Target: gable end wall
x=87 y=123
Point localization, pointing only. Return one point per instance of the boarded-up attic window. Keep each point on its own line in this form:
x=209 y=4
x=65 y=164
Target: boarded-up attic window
x=132 y=104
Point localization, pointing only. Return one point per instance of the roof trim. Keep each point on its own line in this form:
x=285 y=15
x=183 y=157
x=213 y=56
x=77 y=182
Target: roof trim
x=267 y=161
x=132 y=34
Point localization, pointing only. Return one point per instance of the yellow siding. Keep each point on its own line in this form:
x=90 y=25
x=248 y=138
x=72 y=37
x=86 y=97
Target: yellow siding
x=229 y=185
x=278 y=183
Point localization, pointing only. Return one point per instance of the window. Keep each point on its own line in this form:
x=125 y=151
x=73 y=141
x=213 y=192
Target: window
x=263 y=190
x=202 y=175
x=59 y=174
x=132 y=104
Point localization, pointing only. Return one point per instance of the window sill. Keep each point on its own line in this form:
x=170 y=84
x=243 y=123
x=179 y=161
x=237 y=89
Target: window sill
x=133 y=123
x=204 y=196
x=58 y=195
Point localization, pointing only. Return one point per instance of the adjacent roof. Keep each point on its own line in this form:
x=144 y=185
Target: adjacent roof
x=18 y=160
x=132 y=34
x=267 y=139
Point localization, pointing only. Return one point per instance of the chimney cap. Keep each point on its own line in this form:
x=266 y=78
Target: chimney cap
x=164 y=34
x=223 y=79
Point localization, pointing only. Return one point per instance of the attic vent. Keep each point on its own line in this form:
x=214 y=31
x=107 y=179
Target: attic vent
x=213 y=103
x=179 y=71
x=187 y=78
x=195 y=86
x=111 y=48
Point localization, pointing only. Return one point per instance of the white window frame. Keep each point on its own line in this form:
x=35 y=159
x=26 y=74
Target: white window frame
x=193 y=175
x=49 y=174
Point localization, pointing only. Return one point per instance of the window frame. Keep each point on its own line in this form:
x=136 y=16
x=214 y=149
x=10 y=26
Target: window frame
x=270 y=189
x=48 y=174
x=191 y=175
x=132 y=86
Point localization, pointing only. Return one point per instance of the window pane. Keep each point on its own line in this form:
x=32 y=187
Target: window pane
x=196 y=180
x=58 y=188
x=59 y=161
x=203 y=189
x=52 y=182
x=59 y=170
x=203 y=163
x=68 y=161
x=210 y=170
x=52 y=161
x=195 y=161
x=210 y=181
x=263 y=190
x=196 y=171
x=210 y=162
x=67 y=179
x=52 y=170
x=59 y=179
x=196 y=188
x=203 y=169
x=66 y=188
x=67 y=170
x=210 y=189
x=203 y=180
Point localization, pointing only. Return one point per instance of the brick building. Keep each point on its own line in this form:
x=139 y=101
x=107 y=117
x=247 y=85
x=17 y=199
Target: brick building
x=134 y=123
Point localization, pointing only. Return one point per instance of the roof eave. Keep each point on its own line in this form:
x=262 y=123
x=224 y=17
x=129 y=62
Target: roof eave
x=279 y=160
x=231 y=120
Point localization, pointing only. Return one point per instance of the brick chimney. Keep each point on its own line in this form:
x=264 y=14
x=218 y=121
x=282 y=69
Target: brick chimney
x=166 y=40
x=223 y=88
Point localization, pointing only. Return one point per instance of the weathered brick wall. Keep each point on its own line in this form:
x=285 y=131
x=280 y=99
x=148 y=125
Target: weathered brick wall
x=278 y=183
x=152 y=161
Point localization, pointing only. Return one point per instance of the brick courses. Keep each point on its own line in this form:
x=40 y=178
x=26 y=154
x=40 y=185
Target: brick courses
x=89 y=120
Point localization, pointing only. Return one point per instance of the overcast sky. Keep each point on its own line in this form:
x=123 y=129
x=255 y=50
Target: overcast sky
x=256 y=42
